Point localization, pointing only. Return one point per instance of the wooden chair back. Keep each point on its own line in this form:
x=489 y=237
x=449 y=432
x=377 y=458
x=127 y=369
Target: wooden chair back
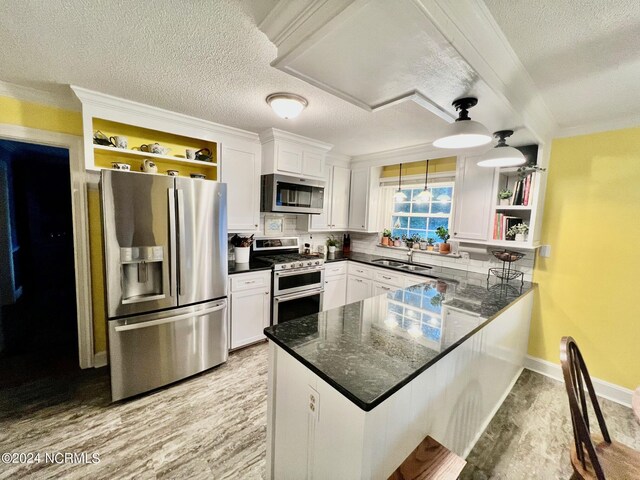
x=576 y=378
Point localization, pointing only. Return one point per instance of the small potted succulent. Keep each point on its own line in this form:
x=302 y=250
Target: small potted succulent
x=386 y=236
x=332 y=243
x=415 y=238
x=396 y=241
x=408 y=241
x=404 y=241
x=504 y=195
x=518 y=232
x=423 y=244
x=430 y=242
x=443 y=233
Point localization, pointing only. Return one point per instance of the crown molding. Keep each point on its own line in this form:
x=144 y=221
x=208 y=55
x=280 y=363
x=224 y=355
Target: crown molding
x=599 y=126
x=272 y=134
x=41 y=97
x=118 y=109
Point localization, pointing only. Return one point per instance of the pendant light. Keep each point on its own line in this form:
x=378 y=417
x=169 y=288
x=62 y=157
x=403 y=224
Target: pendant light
x=400 y=196
x=425 y=195
x=464 y=132
x=287 y=105
x=502 y=155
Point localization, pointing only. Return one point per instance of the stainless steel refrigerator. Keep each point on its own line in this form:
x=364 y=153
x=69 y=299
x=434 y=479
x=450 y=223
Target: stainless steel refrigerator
x=165 y=246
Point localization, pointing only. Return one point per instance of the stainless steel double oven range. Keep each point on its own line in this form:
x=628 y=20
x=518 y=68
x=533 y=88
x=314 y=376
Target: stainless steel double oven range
x=298 y=279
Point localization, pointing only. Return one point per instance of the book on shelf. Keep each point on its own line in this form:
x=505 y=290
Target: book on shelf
x=522 y=191
x=502 y=224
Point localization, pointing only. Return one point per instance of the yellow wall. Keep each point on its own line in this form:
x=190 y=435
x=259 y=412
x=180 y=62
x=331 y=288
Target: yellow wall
x=97 y=272
x=588 y=287
x=33 y=115
x=437 y=165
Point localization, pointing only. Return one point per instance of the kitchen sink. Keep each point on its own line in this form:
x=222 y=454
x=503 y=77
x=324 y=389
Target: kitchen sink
x=388 y=263
x=415 y=268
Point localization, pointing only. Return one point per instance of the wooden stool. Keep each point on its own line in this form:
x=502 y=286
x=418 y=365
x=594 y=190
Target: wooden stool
x=593 y=456
x=430 y=460
x=636 y=403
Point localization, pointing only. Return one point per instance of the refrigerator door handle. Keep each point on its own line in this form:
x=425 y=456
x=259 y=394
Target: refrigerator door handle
x=184 y=316
x=181 y=240
x=171 y=199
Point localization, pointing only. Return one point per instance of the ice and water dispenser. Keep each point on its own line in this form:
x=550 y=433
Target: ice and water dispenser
x=142 y=277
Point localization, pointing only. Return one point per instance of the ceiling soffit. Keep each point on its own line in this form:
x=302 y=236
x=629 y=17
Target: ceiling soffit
x=376 y=55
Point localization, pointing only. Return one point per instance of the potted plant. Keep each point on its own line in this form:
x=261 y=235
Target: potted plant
x=423 y=244
x=415 y=241
x=332 y=243
x=396 y=241
x=386 y=236
x=430 y=244
x=443 y=233
x=519 y=232
x=504 y=195
x=405 y=241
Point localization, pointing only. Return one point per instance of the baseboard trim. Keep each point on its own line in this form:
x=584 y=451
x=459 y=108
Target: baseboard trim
x=607 y=390
x=100 y=359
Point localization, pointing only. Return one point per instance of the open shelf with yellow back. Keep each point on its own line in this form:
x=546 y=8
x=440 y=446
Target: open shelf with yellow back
x=104 y=156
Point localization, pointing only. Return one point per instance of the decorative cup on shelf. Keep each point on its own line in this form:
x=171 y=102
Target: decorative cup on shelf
x=100 y=138
x=121 y=166
x=154 y=148
x=173 y=173
x=119 y=141
x=148 y=166
x=191 y=153
x=241 y=254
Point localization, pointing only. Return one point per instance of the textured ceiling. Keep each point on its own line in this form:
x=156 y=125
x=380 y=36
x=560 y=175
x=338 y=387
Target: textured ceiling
x=583 y=55
x=202 y=58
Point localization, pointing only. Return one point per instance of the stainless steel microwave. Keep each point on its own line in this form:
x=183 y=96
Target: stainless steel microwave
x=285 y=194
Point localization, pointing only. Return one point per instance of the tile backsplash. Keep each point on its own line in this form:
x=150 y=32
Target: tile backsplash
x=475 y=261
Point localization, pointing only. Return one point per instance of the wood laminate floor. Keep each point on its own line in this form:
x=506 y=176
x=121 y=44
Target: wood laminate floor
x=214 y=426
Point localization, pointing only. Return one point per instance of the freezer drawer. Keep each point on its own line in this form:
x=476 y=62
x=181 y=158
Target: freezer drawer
x=149 y=351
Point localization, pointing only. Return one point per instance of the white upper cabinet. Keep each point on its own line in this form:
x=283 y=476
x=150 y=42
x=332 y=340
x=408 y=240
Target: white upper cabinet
x=473 y=200
x=363 y=205
x=335 y=215
x=241 y=173
x=290 y=154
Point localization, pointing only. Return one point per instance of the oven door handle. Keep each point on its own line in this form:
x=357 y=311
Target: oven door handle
x=299 y=272
x=295 y=296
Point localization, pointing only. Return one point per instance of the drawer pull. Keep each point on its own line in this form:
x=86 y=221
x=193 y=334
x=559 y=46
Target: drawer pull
x=386 y=278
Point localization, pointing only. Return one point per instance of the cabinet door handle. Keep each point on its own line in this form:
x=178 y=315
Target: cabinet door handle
x=266 y=293
x=386 y=278
x=358 y=280
x=249 y=281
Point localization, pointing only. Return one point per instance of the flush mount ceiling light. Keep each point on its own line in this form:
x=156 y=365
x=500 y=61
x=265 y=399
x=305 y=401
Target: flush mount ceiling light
x=464 y=132
x=287 y=105
x=502 y=155
x=425 y=195
x=400 y=196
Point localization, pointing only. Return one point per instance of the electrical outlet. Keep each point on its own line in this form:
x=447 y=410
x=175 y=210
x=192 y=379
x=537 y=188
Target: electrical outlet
x=313 y=401
x=545 y=251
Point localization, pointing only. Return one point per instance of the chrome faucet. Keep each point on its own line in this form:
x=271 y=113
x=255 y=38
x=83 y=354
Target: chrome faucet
x=410 y=254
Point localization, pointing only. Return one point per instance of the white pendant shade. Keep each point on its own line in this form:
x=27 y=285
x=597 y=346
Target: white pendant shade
x=502 y=157
x=423 y=197
x=399 y=196
x=287 y=105
x=464 y=134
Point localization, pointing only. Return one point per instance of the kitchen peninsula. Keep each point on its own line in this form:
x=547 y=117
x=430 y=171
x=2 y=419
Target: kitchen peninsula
x=353 y=390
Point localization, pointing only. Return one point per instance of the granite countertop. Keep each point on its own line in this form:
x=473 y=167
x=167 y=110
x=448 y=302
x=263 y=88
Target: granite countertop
x=254 y=265
x=370 y=349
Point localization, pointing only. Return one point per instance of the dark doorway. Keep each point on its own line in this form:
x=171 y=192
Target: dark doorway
x=38 y=326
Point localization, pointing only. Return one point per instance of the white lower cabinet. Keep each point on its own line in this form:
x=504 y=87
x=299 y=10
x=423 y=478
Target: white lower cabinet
x=358 y=288
x=335 y=292
x=249 y=308
x=381 y=288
